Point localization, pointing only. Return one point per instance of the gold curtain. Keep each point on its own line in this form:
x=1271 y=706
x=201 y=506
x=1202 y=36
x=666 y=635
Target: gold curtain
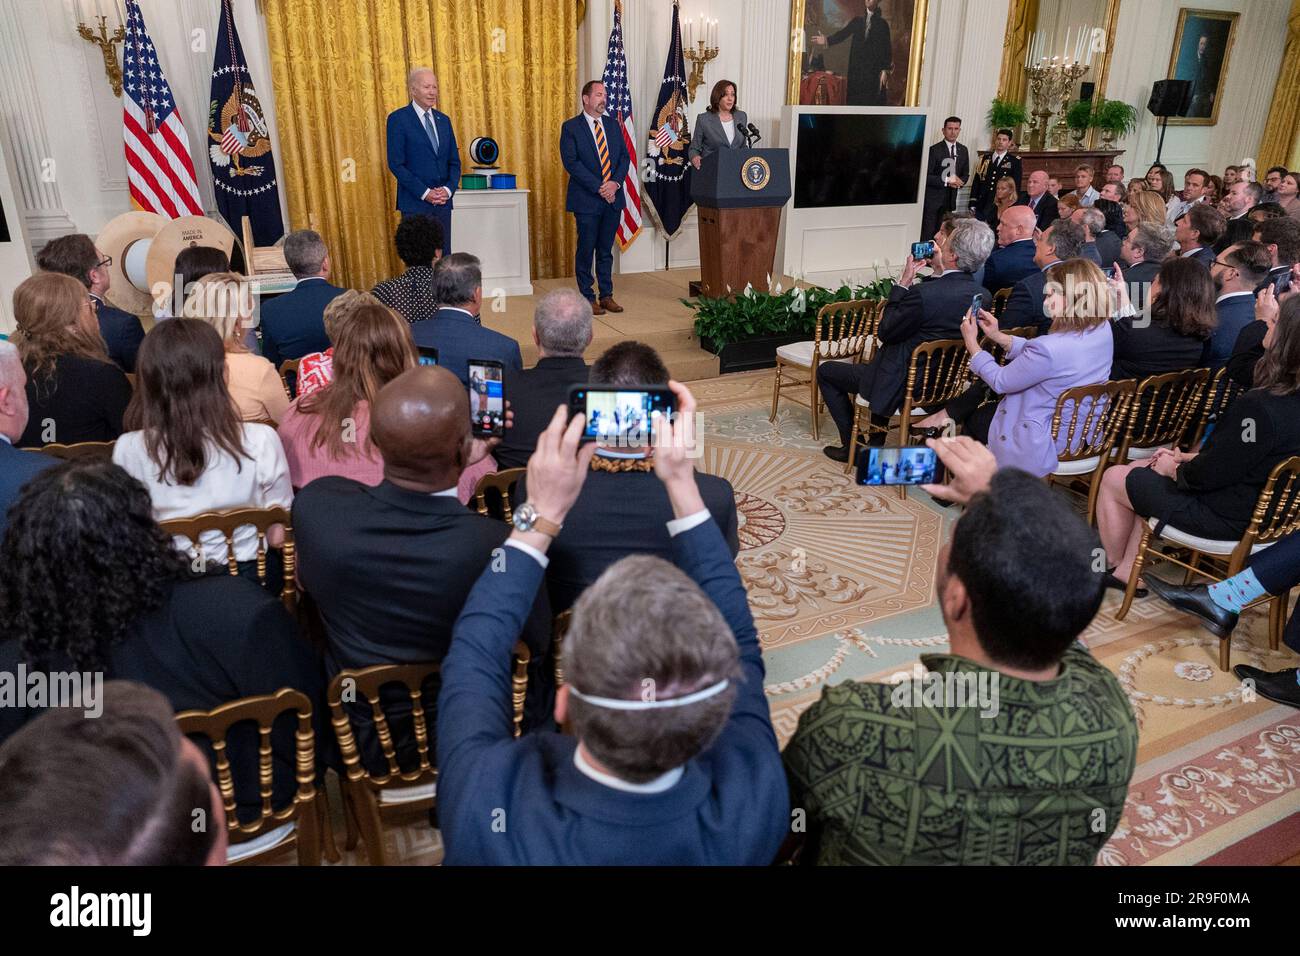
x=1279 y=145
x=506 y=69
x=1022 y=18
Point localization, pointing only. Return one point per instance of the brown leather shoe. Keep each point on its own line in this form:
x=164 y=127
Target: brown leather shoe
x=609 y=305
x=596 y=308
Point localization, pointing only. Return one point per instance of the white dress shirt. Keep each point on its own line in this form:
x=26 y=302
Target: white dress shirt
x=729 y=127
x=433 y=118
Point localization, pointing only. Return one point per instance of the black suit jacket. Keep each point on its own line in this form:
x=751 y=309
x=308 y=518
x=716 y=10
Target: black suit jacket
x=984 y=187
x=870 y=53
x=1025 y=306
x=1108 y=244
x=216 y=639
x=122 y=333
x=617 y=515
x=1153 y=349
x=937 y=195
x=926 y=312
x=293 y=324
x=1138 y=278
x=1047 y=209
x=533 y=395
x=1239 y=230
x=1246 y=353
x=84 y=399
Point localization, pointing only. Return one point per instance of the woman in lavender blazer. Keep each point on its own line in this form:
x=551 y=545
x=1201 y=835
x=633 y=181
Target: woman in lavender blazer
x=1077 y=350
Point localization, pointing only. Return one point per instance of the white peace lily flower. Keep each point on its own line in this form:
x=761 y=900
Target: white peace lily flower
x=749 y=290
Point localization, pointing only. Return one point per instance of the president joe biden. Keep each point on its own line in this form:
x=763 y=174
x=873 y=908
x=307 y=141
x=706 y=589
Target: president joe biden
x=423 y=155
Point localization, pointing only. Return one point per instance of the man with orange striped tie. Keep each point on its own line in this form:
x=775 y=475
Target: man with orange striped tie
x=593 y=153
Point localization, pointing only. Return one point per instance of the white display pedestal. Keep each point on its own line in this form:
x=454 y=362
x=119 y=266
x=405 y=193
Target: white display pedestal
x=493 y=225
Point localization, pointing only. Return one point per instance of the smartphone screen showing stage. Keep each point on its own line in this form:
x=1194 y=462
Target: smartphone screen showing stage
x=897 y=466
x=487 y=404
x=624 y=419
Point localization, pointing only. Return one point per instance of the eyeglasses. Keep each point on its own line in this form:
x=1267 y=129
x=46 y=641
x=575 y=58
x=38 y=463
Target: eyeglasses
x=106 y=261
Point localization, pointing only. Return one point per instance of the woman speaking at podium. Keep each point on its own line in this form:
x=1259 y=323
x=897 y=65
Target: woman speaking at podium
x=720 y=126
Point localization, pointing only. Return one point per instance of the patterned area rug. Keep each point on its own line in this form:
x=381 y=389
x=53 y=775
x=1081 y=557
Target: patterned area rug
x=841 y=582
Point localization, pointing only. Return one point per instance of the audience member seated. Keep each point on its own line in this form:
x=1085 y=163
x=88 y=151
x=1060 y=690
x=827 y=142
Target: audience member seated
x=316 y=369
x=1038 y=199
x=328 y=431
x=1060 y=241
x=1275 y=571
x=456 y=331
x=1141 y=254
x=1272 y=179
x=1114 y=192
x=861 y=762
x=1248 y=350
x=1213 y=191
x=1014 y=259
x=74 y=391
x=390 y=566
x=1114 y=175
x=187 y=446
x=1077 y=350
x=118 y=788
x=1067 y=205
x=671 y=759
x=1198 y=231
x=1053 y=187
x=1211 y=493
x=293 y=324
x=1286 y=194
x=192 y=264
x=1093 y=222
x=16 y=467
x=137 y=612
x=1236 y=204
x=562 y=332
x=1173 y=336
x=1135 y=186
x=76 y=256
x=224 y=301
x=623 y=509
x=1231 y=174
x=1265 y=210
x=1236 y=273
x=1143 y=206
x=1161 y=182
x=1112 y=212
x=419 y=246
x=1281 y=238
x=1196 y=183
x=1083 y=188
x=1005 y=195
x=915 y=314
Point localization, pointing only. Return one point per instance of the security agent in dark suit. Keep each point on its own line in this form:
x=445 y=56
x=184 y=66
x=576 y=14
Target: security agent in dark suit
x=423 y=155
x=75 y=255
x=1037 y=198
x=1062 y=240
x=710 y=133
x=293 y=324
x=390 y=566
x=1001 y=162
x=596 y=159
x=946 y=171
x=455 y=330
x=915 y=314
x=16 y=467
x=562 y=331
x=623 y=508
x=871 y=54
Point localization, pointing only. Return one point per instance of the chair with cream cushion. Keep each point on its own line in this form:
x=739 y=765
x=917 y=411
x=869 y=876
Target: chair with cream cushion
x=1160 y=413
x=1085 y=445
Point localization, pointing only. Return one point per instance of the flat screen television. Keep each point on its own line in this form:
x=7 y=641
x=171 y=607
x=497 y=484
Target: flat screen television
x=858 y=159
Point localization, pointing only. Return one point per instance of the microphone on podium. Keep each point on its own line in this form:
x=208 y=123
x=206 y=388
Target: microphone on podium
x=753 y=134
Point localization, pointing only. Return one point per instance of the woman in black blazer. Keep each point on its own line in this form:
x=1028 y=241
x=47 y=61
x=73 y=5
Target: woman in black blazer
x=1211 y=493
x=1172 y=337
x=90 y=582
x=74 y=391
x=721 y=126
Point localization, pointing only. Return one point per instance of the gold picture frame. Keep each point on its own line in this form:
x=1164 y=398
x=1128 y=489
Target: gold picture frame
x=915 y=57
x=1179 y=61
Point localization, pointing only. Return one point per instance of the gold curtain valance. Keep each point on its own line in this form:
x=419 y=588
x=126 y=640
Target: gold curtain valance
x=1278 y=147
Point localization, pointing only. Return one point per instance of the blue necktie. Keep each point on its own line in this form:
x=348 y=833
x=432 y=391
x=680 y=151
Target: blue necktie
x=431 y=129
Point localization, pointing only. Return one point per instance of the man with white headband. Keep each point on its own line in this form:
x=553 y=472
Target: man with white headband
x=671 y=759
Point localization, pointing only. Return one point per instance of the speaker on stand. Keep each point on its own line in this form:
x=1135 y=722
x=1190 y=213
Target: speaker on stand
x=1168 y=98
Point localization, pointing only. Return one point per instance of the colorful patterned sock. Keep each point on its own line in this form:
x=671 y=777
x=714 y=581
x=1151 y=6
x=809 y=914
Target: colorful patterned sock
x=1236 y=592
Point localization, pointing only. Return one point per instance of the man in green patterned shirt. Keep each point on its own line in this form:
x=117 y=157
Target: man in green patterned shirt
x=1018 y=747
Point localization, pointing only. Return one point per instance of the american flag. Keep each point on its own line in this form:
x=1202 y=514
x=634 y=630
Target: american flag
x=618 y=103
x=158 y=164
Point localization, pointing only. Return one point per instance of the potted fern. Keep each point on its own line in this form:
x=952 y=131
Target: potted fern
x=1007 y=114
x=1114 y=118
x=1079 y=118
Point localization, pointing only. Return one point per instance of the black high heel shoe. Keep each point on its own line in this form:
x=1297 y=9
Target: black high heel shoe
x=1119 y=584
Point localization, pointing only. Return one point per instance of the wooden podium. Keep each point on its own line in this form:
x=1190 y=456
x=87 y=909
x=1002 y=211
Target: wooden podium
x=739 y=194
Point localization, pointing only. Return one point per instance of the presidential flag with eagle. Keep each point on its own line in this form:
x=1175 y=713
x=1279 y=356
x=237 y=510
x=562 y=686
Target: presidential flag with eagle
x=668 y=168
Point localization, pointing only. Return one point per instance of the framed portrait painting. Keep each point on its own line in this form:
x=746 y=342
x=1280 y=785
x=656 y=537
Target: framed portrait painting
x=1202 y=45
x=856 y=52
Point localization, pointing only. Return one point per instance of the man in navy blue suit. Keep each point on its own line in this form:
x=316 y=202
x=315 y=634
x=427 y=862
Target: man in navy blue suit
x=1062 y=240
x=76 y=256
x=16 y=467
x=423 y=155
x=1236 y=272
x=593 y=153
x=1014 y=257
x=455 y=330
x=671 y=759
x=293 y=324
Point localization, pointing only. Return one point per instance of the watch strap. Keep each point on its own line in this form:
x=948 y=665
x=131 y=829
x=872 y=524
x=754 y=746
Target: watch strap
x=546 y=526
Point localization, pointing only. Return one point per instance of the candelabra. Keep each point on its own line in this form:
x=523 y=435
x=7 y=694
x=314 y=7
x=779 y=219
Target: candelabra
x=1048 y=83
x=108 y=47
x=1038 y=77
x=1070 y=74
x=698 y=60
